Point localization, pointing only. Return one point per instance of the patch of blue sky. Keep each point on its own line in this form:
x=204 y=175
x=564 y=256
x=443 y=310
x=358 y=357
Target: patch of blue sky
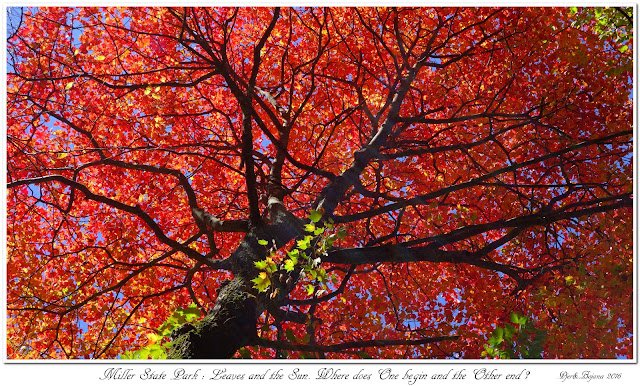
x=34 y=190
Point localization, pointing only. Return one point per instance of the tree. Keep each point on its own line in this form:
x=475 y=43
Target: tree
x=316 y=182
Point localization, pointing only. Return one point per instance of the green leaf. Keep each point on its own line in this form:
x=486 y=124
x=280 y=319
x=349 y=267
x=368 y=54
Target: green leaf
x=623 y=49
x=309 y=289
x=518 y=319
x=179 y=317
x=266 y=265
x=294 y=254
x=499 y=335
x=364 y=355
x=290 y=336
x=309 y=227
x=172 y=321
x=289 y=265
x=314 y=216
x=509 y=331
x=263 y=242
x=262 y=282
x=192 y=309
x=489 y=351
x=191 y=315
x=244 y=353
x=156 y=352
x=143 y=353
x=262 y=264
x=271 y=265
x=597 y=12
x=305 y=243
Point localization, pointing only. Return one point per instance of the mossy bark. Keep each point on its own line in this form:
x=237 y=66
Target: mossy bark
x=229 y=326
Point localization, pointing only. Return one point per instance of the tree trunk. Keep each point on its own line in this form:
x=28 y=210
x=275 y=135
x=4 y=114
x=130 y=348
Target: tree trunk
x=232 y=322
x=229 y=326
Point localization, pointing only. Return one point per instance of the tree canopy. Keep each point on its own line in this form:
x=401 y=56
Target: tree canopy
x=319 y=183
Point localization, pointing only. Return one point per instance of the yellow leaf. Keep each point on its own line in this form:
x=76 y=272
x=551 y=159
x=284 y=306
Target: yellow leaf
x=100 y=57
x=76 y=52
x=153 y=338
x=68 y=85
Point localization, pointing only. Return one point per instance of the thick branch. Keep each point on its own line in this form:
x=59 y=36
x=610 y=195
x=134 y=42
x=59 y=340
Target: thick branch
x=403 y=253
x=135 y=210
x=422 y=199
x=334 y=192
x=398 y=253
x=542 y=217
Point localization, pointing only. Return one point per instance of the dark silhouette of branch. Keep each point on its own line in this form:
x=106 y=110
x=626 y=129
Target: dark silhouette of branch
x=422 y=199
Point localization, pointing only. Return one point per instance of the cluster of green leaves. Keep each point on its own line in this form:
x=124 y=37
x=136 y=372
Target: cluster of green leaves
x=516 y=340
x=308 y=253
x=160 y=341
x=608 y=22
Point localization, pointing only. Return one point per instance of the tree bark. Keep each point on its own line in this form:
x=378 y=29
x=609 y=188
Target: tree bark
x=232 y=322
x=230 y=325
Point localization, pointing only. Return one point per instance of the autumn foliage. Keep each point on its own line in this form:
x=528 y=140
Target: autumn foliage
x=371 y=182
